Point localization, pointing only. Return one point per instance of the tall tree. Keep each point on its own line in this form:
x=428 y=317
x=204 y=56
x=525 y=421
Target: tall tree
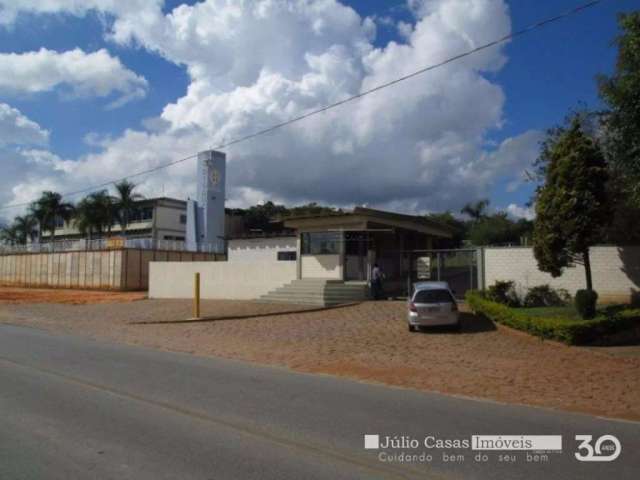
x=95 y=214
x=621 y=93
x=9 y=235
x=571 y=205
x=476 y=210
x=38 y=211
x=48 y=209
x=499 y=229
x=125 y=202
x=25 y=228
x=459 y=228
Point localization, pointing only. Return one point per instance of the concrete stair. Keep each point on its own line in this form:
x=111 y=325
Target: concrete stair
x=318 y=291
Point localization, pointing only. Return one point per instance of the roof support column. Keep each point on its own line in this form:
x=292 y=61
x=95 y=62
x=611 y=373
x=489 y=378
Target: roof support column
x=299 y=256
x=341 y=244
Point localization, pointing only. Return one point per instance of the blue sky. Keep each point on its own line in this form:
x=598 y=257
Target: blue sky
x=547 y=73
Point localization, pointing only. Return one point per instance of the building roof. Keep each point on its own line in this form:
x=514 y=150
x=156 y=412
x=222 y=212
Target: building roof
x=361 y=214
x=161 y=199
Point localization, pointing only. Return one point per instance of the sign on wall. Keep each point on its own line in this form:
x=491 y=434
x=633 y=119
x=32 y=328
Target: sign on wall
x=423 y=268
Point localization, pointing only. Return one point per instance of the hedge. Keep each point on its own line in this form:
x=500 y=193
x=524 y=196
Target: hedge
x=569 y=331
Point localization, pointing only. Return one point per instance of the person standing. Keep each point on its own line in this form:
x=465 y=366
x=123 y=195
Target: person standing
x=376 y=281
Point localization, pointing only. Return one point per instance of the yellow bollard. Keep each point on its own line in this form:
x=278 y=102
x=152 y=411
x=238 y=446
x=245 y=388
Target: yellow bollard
x=196 y=296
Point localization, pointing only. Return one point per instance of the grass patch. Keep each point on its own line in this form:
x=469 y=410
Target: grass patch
x=557 y=323
x=567 y=313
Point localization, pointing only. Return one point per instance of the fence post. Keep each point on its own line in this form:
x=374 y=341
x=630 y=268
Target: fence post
x=196 y=296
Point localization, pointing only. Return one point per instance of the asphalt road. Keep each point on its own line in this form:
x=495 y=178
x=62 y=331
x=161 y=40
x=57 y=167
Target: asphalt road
x=72 y=408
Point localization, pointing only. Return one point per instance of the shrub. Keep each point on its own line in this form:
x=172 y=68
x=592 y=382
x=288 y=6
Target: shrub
x=545 y=296
x=586 y=303
x=564 y=329
x=503 y=292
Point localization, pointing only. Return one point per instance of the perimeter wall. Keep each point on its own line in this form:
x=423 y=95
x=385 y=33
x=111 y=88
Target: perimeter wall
x=121 y=269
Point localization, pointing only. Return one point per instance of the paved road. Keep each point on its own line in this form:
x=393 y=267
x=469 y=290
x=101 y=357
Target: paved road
x=74 y=408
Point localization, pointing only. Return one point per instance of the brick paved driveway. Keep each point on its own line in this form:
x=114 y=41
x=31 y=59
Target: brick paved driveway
x=368 y=341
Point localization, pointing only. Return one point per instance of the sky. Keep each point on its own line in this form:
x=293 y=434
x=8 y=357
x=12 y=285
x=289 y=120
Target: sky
x=92 y=91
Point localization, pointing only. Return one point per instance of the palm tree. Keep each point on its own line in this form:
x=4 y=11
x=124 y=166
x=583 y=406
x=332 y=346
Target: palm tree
x=476 y=210
x=9 y=235
x=95 y=213
x=37 y=210
x=85 y=217
x=48 y=209
x=125 y=203
x=25 y=228
x=107 y=207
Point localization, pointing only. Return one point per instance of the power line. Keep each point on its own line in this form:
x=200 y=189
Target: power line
x=331 y=106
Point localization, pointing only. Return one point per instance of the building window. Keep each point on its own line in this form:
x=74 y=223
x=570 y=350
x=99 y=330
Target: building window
x=183 y=219
x=141 y=214
x=321 y=243
x=287 y=256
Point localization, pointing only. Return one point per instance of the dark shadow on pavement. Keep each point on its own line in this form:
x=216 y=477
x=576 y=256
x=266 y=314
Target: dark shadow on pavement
x=300 y=311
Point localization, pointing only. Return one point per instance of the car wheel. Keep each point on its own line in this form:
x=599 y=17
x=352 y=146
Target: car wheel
x=412 y=328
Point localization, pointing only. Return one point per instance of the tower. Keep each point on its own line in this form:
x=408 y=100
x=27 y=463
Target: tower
x=205 y=214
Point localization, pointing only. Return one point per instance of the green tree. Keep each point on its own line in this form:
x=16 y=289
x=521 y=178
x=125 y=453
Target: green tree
x=476 y=210
x=38 y=211
x=25 y=228
x=571 y=205
x=48 y=210
x=95 y=214
x=621 y=93
x=9 y=235
x=311 y=209
x=458 y=227
x=499 y=229
x=125 y=203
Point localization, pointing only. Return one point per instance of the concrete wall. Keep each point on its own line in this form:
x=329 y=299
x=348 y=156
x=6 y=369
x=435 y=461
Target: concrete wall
x=219 y=280
x=126 y=269
x=260 y=249
x=616 y=271
x=321 y=266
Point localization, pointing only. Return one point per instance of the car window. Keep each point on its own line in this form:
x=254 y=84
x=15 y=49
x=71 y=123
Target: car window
x=433 y=296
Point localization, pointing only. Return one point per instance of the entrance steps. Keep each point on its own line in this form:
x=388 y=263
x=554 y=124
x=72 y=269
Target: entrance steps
x=318 y=291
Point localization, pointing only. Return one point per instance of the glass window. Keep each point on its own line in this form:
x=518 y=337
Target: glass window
x=141 y=214
x=287 y=256
x=183 y=219
x=433 y=296
x=321 y=243
x=356 y=243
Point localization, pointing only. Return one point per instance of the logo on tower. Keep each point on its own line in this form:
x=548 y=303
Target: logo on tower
x=214 y=177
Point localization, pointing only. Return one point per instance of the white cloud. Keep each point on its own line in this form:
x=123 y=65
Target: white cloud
x=420 y=145
x=83 y=74
x=518 y=211
x=10 y=9
x=17 y=129
x=513 y=158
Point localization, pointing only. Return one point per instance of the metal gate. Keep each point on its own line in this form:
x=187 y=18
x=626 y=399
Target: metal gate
x=460 y=268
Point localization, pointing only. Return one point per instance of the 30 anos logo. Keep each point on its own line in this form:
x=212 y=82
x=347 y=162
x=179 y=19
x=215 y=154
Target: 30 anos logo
x=606 y=448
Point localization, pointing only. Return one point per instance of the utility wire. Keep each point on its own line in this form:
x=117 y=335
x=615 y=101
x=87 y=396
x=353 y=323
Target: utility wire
x=299 y=118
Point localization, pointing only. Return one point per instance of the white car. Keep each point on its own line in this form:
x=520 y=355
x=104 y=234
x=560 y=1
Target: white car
x=432 y=304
